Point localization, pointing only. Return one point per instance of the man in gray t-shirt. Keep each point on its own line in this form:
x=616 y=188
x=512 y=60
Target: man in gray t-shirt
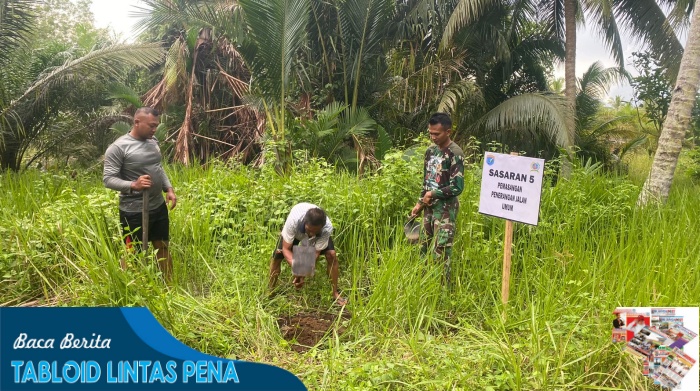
x=133 y=167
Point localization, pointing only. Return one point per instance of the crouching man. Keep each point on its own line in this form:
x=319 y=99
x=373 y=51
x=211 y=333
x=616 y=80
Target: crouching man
x=307 y=221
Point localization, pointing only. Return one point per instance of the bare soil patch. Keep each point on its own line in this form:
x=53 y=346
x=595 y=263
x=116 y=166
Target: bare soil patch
x=306 y=329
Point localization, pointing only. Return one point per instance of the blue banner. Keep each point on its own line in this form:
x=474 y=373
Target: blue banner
x=115 y=349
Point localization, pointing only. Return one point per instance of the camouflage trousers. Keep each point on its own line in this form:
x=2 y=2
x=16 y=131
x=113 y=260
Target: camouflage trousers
x=439 y=223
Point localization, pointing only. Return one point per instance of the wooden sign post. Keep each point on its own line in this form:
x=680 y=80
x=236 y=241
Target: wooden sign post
x=511 y=187
x=507 y=253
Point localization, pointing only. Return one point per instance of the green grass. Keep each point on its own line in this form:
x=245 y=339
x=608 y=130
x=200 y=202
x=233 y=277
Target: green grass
x=592 y=251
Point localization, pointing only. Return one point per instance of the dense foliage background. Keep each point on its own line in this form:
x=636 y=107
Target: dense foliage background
x=271 y=102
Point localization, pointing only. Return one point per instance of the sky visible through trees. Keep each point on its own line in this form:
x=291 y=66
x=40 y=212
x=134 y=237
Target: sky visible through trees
x=116 y=15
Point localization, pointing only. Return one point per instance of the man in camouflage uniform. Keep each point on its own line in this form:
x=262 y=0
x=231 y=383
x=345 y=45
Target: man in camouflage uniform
x=443 y=182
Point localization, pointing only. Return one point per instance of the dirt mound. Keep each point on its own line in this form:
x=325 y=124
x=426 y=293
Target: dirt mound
x=306 y=329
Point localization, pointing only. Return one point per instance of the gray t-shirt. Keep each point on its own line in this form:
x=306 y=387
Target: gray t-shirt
x=125 y=161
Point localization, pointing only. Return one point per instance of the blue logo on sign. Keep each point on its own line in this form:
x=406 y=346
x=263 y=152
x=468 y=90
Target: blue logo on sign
x=490 y=160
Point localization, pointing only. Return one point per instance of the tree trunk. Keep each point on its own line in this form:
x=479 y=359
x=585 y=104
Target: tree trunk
x=570 y=80
x=658 y=184
x=10 y=153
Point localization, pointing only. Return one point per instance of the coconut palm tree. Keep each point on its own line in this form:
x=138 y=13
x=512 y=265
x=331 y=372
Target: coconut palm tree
x=658 y=184
x=595 y=131
x=492 y=90
x=643 y=18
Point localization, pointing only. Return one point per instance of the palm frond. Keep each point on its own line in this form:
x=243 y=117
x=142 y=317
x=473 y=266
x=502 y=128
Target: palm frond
x=108 y=61
x=423 y=78
x=416 y=21
x=16 y=21
x=322 y=128
x=326 y=122
x=466 y=12
x=679 y=16
x=500 y=42
x=464 y=91
x=175 y=72
x=646 y=21
x=363 y=24
x=384 y=143
x=554 y=17
x=357 y=122
x=542 y=48
x=608 y=126
x=632 y=144
x=536 y=112
x=596 y=80
x=223 y=15
x=524 y=12
x=353 y=125
x=123 y=92
x=120 y=127
x=361 y=21
x=603 y=16
x=277 y=31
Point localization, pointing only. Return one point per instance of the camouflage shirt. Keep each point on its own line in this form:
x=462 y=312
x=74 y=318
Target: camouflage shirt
x=443 y=171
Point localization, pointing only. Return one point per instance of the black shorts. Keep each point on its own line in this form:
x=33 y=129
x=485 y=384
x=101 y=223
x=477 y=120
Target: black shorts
x=277 y=254
x=158 y=225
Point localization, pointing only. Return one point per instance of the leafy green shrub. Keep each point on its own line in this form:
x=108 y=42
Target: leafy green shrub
x=591 y=252
x=694 y=165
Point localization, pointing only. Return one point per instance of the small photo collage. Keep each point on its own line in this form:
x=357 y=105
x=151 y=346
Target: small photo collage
x=658 y=336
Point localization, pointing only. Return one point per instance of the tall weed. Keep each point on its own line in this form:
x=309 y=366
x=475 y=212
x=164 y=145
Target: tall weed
x=592 y=251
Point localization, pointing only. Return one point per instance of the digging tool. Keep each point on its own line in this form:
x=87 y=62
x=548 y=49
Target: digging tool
x=144 y=222
x=304 y=264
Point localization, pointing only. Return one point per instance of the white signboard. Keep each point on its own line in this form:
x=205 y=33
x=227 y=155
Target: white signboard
x=511 y=187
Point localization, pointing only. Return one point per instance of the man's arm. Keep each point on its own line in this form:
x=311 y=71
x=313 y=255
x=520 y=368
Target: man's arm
x=425 y=172
x=456 y=183
x=164 y=179
x=114 y=157
x=288 y=234
x=170 y=196
x=287 y=252
x=420 y=205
